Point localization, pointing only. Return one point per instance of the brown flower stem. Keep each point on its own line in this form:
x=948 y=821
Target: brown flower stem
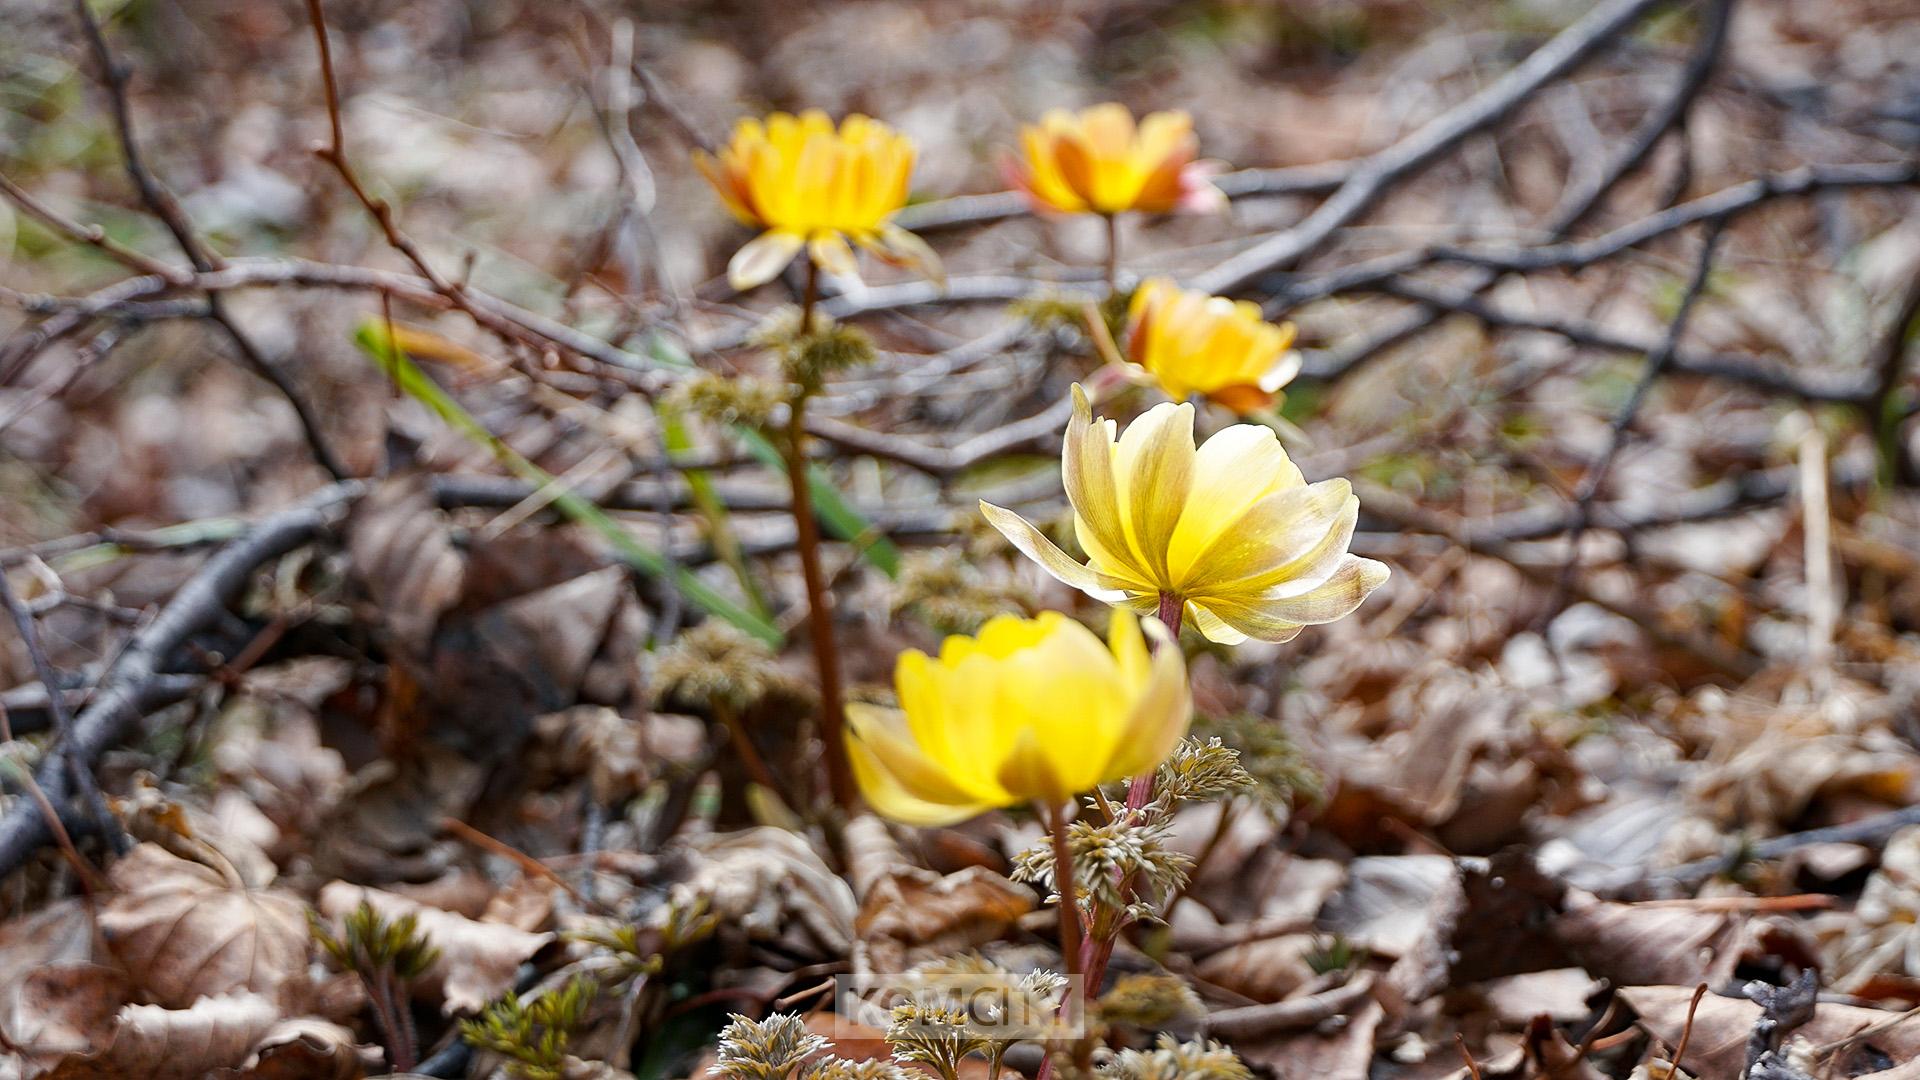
x=1070 y=934
x=744 y=749
x=810 y=298
x=1140 y=790
x=1113 y=252
x=819 y=614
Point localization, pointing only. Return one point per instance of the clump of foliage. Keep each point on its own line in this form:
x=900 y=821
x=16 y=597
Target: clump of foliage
x=532 y=1033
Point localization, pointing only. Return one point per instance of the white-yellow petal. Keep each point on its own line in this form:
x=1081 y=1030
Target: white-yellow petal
x=762 y=259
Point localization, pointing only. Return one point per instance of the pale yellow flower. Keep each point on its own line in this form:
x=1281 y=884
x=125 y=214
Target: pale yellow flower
x=809 y=185
x=1097 y=161
x=1231 y=529
x=1030 y=710
x=1193 y=343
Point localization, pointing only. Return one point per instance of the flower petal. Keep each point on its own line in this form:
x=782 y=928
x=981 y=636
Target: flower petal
x=897 y=779
x=1160 y=715
x=1211 y=627
x=1086 y=467
x=1233 y=470
x=1278 y=534
x=1155 y=468
x=829 y=251
x=906 y=249
x=1279 y=618
x=1034 y=544
x=762 y=259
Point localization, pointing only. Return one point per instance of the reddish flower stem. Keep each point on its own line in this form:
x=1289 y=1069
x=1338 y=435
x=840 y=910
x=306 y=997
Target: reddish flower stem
x=819 y=612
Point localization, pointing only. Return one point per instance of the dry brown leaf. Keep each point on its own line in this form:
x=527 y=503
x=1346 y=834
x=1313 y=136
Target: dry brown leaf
x=175 y=1044
x=1265 y=970
x=909 y=914
x=184 y=931
x=1652 y=944
x=400 y=549
x=57 y=1011
x=772 y=884
x=305 y=1048
x=477 y=961
x=1721 y=1026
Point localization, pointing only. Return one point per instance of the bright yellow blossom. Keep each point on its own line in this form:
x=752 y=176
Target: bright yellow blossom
x=1030 y=710
x=1231 y=529
x=1097 y=161
x=811 y=186
x=1192 y=343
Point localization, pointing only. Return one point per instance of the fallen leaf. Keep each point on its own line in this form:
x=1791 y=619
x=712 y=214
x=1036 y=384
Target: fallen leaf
x=400 y=550
x=772 y=884
x=477 y=961
x=1722 y=1024
x=183 y=931
x=304 y=1048
x=909 y=914
x=155 y=1043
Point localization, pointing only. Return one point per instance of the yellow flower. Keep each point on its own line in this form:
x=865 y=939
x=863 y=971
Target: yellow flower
x=1097 y=161
x=1192 y=343
x=811 y=186
x=1231 y=529
x=1031 y=709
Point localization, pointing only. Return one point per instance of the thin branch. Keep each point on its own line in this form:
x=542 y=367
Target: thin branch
x=160 y=201
x=200 y=602
x=1657 y=361
x=1372 y=177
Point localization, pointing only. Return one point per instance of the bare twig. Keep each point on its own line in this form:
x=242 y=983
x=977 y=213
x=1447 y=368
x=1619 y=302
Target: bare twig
x=1372 y=178
x=164 y=206
x=1656 y=365
x=201 y=601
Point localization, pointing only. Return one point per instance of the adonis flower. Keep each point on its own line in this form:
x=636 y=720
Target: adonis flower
x=1031 y=709
x=809 y=185
x=1231 y=529
x=1192 y=343
x=1097 y=161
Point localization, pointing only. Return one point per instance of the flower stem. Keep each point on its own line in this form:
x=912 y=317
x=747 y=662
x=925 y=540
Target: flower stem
x=819 y=615
x=1063 y=883
x=810 y=298
x=1172 y=608
x=1113 y=252
x=807 y=541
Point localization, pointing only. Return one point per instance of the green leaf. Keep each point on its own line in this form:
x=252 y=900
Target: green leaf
x=373 y=337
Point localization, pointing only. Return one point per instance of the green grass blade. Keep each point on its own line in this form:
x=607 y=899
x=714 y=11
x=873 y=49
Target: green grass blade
x=372 y=337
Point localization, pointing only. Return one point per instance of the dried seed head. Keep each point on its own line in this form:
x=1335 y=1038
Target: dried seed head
x=770 y=1049
x=1172 y=1059
x=714 y=666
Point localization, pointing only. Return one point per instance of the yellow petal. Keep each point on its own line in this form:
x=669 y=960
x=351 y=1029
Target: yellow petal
x=910 y=251
x=829 y=251
x=763 y=258
x=1237 y=467
x=1211 y=626
x=1275 y=534
x=1160 y=714
x=1279 y=618
x=896 y=779
x=1086 y=464
x=1154 y=464
x=1034 y=545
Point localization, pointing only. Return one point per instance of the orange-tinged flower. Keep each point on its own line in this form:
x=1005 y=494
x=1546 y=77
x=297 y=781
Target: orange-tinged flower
x=1097 y=161
x=1193 y=343
x=1230 y=529
x=810 y=185
x=1029 y=710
